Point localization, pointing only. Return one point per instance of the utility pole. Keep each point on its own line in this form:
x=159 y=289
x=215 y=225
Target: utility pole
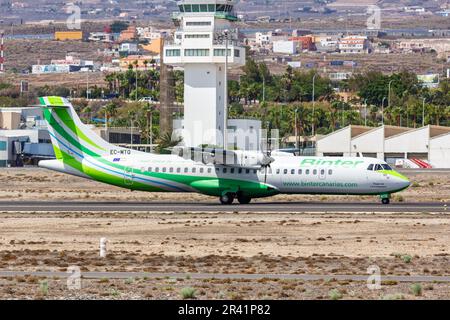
x=423 y=112
x=365 y=112
x=87 y=85
x=314 y=104
x=382 y=110
x=137 y=85
x=297 y=145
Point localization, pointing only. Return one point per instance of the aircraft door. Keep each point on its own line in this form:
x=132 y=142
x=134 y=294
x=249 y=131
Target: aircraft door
x=128 y=176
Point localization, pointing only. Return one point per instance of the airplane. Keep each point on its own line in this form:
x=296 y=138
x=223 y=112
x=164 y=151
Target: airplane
x=81 y=152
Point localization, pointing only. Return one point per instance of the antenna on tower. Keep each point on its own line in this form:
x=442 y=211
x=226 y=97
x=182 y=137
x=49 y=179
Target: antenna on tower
x=2 y=52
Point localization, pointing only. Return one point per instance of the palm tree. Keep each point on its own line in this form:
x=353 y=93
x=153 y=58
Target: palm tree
x=111 y=111
x=166 y=141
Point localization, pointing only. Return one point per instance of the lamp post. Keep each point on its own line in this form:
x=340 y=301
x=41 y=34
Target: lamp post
x=137 y=85
x=365 y=112
x=264 y=88
x=382 y=110
x=313 y=102
x=297 y=146
x=423 y=111
x=389 y=93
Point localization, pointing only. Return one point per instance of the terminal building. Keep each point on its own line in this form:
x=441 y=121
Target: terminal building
x=425 y=147
x=23 y=136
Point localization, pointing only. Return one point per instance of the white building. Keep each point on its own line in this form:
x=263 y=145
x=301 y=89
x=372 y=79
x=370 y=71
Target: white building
x=199 y=47
x=263 y=38
x=285 y=47
x=430 y=144
x=354 y=44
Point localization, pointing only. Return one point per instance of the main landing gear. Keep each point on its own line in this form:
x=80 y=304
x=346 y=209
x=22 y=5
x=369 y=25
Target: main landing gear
x=228 y=199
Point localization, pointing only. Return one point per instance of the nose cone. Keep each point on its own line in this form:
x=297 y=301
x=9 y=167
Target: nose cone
x=402 y=181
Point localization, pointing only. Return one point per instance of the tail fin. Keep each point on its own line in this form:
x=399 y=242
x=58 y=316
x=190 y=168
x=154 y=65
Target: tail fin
x=70 y=137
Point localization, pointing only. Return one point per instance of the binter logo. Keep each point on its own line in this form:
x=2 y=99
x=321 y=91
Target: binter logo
x=337 y=163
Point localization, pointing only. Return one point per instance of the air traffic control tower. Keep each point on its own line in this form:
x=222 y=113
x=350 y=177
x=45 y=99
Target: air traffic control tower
x=204 y=33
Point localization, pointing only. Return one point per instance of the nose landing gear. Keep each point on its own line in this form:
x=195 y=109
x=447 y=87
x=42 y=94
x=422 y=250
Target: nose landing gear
x=385 y=198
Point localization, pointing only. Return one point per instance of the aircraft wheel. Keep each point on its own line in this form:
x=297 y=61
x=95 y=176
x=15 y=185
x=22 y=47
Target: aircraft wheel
x=244 y=200
x=227 y=199
x=385 y=201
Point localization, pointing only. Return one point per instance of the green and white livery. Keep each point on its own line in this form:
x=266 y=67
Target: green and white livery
x=80 y=152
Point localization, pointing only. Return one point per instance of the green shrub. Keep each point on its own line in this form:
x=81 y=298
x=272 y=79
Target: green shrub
x=335 y=294
x=43 y=287
x=416 y=289
x=395 y=296
x=406 y=258
x=188 y=293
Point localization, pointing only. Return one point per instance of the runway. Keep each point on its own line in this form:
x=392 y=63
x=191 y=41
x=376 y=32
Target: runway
x=222 y=276
x=258 y=207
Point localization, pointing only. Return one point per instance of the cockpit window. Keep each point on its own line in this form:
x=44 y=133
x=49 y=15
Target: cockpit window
x=370 y=168
x=386 y=167
x=378 y=167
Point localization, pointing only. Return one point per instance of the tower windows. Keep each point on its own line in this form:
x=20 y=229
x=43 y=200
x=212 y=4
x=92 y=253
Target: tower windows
x=173 y=52
x=196 y=52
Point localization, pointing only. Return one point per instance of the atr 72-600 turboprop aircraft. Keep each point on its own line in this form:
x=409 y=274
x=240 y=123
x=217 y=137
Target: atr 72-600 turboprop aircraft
x=80 y=152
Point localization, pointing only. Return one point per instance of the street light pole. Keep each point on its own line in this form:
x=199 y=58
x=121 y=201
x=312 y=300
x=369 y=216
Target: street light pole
x=137 y=86
x=382 y=111
x=389 y=93
x=296 y=130
x=264 y=88
x=313 y=103
x=365 y=112
x=423 y=112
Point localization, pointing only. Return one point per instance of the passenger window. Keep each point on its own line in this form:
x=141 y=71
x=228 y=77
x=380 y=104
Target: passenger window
x=255 y=171
x=293 y=171
x=194 y=170
x=164 y=170
x=186 y=170
x=307 y=171
x=330 y=172
x=225 y=170
x=315 y=172
x=322 y=172
x=171 y=170
x=232 y=171
x=202 y=170
x=300 y=171
x=240 y=171
x=278 y=171
x=178 y=170
x=247 y=171
x=217 y=170
x=285 y=171
x=370 y=168
x=156 y=169
x=150 y=169
x=209 y=170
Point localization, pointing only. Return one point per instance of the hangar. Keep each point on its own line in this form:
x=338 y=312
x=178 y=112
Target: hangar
x=423 y=147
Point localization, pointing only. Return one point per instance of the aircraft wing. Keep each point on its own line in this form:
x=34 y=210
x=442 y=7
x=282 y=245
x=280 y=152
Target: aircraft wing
x=229 y=158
